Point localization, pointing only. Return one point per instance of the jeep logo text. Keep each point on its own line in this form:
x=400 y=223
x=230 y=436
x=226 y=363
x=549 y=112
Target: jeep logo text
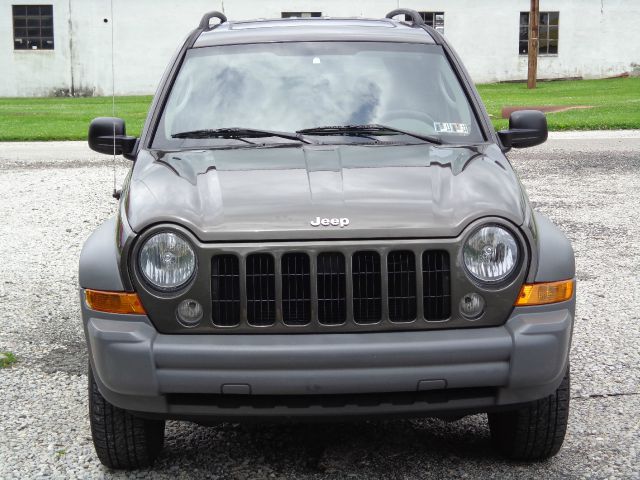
x=326 y=222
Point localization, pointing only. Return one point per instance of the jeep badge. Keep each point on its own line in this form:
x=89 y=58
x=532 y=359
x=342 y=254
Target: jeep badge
x=326 y=222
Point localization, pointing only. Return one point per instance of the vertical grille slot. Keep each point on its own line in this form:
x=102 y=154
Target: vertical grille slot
x=401 y=274
x=436 y=279
x=367 y=301
x=225 y=290
x=296 y=289
x=332 y=304
x=261 y=289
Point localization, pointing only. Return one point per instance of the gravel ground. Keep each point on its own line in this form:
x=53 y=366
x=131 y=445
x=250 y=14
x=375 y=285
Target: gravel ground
x=55 y=194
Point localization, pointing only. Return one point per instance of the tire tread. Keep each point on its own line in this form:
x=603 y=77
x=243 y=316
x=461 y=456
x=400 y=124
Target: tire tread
x=536 y=430
x=122 y=440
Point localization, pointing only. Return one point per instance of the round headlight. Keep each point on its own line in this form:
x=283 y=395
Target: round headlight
x=491 y=253
x=167 y=261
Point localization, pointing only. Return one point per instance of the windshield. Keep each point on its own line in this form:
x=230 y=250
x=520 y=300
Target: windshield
x=295 y=86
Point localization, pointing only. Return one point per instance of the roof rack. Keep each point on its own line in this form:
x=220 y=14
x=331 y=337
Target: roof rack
x=206 y=19
x=415 y=16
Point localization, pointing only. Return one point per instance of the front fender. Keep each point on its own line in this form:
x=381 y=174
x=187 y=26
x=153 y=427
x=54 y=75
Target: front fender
x=556 y=260
x=99 y=260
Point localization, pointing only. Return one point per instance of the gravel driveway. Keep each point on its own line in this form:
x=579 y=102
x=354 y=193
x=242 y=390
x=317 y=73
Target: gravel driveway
x=55 y=194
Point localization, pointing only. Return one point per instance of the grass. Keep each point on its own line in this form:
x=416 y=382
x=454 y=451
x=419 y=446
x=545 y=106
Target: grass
x=7 y=359
x=616 y=105
x=65 y=118
x=615 y=102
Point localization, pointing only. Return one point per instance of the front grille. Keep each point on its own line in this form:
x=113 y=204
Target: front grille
x=330 y=289
x=401 y=266
x=296 y=289
x=367 y=298
x=436 y=278
x=261 y=290
x=225 y=290
x=332 y=297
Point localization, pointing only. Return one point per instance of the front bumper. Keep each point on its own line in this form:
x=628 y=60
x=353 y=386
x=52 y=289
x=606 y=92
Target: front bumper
x=225 y=376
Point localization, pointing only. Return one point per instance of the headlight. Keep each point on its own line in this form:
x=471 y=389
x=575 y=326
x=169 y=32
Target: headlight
x=167 y=261
x=491 y=253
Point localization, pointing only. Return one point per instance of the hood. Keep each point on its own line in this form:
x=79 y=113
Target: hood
x=408 y=191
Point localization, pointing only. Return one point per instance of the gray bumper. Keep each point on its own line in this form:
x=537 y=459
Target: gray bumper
x=139 y=369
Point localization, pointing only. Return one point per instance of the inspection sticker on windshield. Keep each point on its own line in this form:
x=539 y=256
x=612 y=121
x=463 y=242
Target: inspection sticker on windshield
x=453 y=128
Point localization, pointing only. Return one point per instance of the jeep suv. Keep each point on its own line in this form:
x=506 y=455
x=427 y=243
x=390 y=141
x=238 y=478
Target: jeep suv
x=320 y=221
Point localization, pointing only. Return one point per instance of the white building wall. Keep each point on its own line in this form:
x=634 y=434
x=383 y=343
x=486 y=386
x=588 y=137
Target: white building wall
x=28 y=72
x=598 y=38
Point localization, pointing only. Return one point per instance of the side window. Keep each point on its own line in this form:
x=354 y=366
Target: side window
x=301 y=14
x=32 y=27
x=547 y=33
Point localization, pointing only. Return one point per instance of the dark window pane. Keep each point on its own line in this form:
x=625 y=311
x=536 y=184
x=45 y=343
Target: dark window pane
x=543 y=33
x=433 y=19
x=542 y=47
x=524 y=34
x=544 y=18
x=301 y=14
x=547 y=33
x=33 y=27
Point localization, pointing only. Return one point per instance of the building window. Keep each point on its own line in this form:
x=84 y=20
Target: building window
x=547 y=33
x=433 y=19
x=301 y=14
x=33 y=27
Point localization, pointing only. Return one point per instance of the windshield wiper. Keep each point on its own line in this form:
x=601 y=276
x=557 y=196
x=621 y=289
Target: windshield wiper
x=239 y=134
x=373 y=129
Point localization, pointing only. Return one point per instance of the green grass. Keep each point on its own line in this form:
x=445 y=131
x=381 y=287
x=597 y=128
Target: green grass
x=65 y=118
x=7 y=359
x=615 y=102
x=616 y=105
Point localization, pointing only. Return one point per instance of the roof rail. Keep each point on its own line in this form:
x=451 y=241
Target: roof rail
x=415 y=16
x=206 y=18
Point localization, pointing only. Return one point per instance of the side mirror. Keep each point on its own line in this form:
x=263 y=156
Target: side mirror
x=527 y=128
x=108 y=135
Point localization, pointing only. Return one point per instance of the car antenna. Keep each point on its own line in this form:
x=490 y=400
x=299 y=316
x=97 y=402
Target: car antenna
x=116 y=193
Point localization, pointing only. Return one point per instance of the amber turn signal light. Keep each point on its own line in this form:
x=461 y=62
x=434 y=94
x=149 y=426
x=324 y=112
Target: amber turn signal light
x=114 y=302
x=545 y=293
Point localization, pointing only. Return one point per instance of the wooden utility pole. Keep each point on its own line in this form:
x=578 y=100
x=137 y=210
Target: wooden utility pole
x=534 y=19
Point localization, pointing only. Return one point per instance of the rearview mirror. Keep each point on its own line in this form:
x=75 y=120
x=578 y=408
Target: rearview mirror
x=108 y=135
x=527 y=128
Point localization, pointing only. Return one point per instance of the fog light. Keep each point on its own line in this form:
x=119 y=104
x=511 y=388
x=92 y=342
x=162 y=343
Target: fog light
x=189 y=313
x=471 y=306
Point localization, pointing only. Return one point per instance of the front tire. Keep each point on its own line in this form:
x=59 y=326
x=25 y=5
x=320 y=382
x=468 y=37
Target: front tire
x=121 y=440
x=536 y=430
